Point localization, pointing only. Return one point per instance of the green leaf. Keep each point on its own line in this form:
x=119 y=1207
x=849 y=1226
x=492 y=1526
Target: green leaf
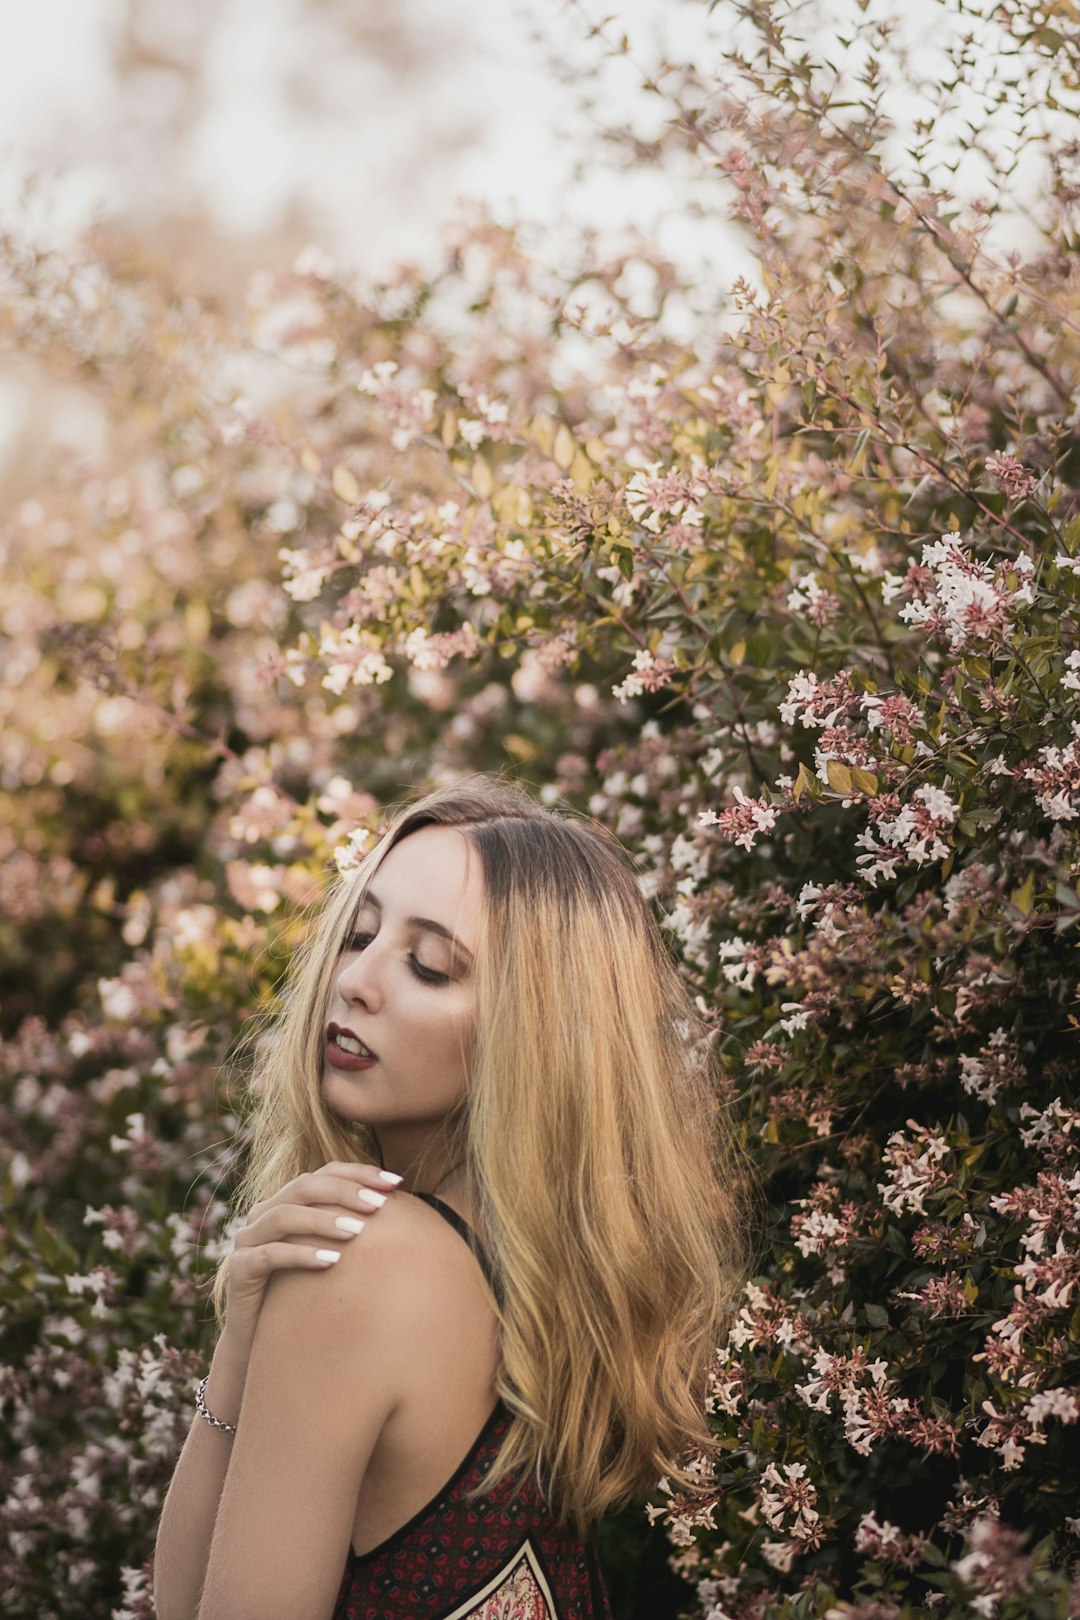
x=1023 y=898
x=839 y=776
x=859 y=452
x=564 y=449
x=483 y=480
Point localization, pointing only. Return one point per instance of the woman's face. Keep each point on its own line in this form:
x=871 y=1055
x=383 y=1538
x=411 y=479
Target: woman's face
x=402 y=1013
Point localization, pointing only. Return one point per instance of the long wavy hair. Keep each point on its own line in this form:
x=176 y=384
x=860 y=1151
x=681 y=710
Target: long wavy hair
x=595 y=1144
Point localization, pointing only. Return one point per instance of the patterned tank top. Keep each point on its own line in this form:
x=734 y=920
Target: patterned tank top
x=491 y=1559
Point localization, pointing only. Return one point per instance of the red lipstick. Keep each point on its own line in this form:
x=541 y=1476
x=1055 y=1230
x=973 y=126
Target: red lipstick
x=350 y=1056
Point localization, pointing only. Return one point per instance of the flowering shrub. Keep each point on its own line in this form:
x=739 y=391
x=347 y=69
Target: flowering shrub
x=791 y=602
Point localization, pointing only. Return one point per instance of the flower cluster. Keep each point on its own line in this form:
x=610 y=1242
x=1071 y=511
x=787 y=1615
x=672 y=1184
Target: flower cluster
x=959 y=596
x=649 y=674
x=783 y=587
x=905 y=833
x=744 y=821
x=788 y=1503
x=1055 y=779
x=914 y=1168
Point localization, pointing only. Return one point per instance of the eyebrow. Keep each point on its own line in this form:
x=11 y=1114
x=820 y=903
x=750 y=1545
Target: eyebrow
x=426 y=923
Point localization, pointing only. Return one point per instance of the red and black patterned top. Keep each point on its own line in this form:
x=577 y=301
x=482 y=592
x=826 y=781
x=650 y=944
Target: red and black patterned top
x=491 y=1559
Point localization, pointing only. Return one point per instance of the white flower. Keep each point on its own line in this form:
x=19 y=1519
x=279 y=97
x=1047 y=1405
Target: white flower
x=969 y=598
x=940 y=806
x=348 y=855
x=1051 y=1403
x=377 y=377
x=779 y=1554
x=798 y=1020
x=118 y=1000
x=806 y=594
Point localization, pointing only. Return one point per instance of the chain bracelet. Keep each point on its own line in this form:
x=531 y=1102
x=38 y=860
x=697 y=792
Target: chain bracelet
x=201 y=1408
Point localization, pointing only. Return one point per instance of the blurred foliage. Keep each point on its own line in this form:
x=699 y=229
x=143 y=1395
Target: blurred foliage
x=781 y=583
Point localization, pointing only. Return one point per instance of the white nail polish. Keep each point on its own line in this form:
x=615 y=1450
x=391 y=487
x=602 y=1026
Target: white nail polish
x=371 y=1199
x=347 y=1224
x=327 y=1254
x=388 y=1175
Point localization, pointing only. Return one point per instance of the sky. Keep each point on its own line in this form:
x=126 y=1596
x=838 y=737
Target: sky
x=381 y=124
x=284 y=103
x=380 y=120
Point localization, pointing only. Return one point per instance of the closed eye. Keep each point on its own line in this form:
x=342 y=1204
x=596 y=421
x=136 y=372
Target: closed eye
x=426 y=975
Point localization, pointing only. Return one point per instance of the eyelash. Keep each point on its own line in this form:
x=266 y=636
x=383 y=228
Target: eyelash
x=417 y=969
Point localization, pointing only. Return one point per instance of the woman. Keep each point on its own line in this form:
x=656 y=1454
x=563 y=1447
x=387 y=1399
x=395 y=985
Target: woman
x=484 y=1039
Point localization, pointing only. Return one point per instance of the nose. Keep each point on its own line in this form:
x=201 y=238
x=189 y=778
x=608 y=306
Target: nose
x=359 y=979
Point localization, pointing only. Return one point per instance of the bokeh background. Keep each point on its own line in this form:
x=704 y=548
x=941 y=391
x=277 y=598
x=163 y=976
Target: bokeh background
x=675 y=407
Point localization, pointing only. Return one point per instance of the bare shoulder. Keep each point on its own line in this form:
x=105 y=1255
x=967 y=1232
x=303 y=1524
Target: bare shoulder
x=437 y=1333
x=407 y=1260
x=408 y=1253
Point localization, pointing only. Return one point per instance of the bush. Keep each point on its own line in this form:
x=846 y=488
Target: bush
x=785 y=590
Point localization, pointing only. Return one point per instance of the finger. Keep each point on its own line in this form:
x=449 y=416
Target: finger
x=353 y=1185
x=271 y=1257
x=352 y=1192
x=369 y=1174
x=300 y=1223
x=322 y=1190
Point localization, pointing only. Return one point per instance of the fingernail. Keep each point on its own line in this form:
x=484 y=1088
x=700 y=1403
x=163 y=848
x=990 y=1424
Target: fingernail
x=327 y=1254
x=371 y=1199
x=347 y=1224
x=388 y=1175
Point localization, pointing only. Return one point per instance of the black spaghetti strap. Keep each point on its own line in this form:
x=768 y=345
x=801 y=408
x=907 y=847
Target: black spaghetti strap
x=464 y=1230
x=597 y=1590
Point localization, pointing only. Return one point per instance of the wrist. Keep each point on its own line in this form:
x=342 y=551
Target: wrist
x=223 y=1387
x=205 y=1412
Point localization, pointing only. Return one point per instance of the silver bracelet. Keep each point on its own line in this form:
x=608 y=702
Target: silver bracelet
x=201 y=1408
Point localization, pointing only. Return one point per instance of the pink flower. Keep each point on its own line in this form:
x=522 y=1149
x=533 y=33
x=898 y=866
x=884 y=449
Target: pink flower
x=1010 y=476
x=790 y=1495
x=815 y=703
x=743 y=822
x=809 y=599
x=967 y=600
x=941 y=1296
x=427 y=651
x=650 y=673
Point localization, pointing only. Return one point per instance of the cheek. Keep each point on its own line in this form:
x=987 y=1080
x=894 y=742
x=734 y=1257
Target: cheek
x=458 y=1026
x=443 y=1022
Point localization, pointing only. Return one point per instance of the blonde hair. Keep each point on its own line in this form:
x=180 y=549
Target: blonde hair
x=596 y=1150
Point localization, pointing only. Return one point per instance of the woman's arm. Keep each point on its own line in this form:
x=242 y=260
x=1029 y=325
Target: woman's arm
x=325 y=1374
x=187 y=1521
x=281 y=1233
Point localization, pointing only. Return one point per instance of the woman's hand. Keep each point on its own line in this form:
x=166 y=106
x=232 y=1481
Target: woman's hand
x=300 y=1226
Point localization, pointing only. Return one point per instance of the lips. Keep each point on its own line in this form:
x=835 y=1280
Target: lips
x=335 y=1032
x=345 y=1049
